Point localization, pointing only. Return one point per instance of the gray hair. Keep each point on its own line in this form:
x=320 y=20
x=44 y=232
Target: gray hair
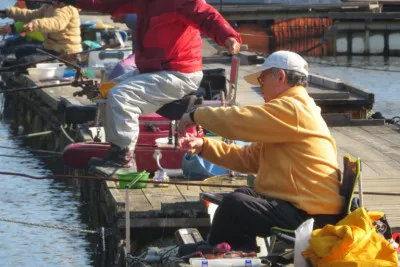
x=294 y=78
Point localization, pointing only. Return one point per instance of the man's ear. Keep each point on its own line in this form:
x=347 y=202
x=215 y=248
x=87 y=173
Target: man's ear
x=281 y=76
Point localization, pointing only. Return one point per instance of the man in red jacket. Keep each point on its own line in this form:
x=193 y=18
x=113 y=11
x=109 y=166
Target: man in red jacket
x=168 y=58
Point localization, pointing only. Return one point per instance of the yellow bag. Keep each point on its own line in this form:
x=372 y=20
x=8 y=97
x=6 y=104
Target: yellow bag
x=352 y=242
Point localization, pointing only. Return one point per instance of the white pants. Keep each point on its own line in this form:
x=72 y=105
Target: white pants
x=140 y=94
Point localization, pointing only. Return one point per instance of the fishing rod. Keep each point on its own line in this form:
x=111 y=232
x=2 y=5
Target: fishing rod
x=27 y=64
x=90 y=88
x=23 y=65
x=68 y=63
x=65 y=176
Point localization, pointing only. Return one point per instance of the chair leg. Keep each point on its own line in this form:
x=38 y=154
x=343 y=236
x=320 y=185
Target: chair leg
x=270 y=243
x=360 y=187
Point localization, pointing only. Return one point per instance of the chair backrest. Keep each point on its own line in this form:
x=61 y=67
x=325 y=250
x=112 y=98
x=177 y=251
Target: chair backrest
x=350 y=178
x=233 y=78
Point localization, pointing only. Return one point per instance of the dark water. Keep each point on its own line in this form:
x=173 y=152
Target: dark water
x=40 y=201
x=377 y=74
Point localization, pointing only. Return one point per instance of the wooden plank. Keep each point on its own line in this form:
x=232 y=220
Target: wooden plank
x=344 y=119
x=189 y=193
x=356 y=148
x=388 y=129
x=381 y=184
x=393 y=138
x=158 y=195
x=138 y=202
x=372 y=140
x=384 y=168
x=390 y=165
x=386 y=205
x=330 y=95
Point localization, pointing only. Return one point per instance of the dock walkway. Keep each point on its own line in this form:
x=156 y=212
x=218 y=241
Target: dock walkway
x=178 y=206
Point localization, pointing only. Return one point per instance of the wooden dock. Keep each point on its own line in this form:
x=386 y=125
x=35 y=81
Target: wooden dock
x=179 y=206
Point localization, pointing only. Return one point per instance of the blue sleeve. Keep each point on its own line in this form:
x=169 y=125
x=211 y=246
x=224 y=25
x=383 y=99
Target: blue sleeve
x=130 y=20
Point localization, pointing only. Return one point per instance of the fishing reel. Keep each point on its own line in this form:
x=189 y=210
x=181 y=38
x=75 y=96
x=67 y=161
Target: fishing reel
x=90 y=88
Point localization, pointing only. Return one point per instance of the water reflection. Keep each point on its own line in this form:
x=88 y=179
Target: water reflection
x=39 y=201
x=377 y=74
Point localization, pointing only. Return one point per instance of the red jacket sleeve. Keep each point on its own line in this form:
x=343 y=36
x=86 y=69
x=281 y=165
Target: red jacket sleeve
x=207 y=19
x=115 y=7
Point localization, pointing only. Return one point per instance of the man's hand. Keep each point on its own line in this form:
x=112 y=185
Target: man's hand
x=184 y=123
x=28 y=27
x=5 y=29
x=191 y=144
x=233 y=45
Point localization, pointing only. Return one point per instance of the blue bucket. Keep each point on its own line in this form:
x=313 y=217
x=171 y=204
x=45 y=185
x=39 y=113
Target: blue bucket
x=195 y=167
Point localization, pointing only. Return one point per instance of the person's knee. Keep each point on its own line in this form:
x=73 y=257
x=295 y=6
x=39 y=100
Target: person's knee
x=233 y=199
x=114 y=98
x=245 y=190
x=113 y=92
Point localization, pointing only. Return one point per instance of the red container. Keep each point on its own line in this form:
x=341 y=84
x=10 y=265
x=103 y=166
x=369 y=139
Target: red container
x=152 y=127
x=77 y=155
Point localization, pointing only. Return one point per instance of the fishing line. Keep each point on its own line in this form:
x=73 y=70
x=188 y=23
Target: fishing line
x=32 y=150
x=27 y=135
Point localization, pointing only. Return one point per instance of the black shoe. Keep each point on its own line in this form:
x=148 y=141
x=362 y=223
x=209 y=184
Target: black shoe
x=116 y=158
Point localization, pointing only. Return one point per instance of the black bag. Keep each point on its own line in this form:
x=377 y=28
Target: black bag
x=214 y=81
x=382 y=225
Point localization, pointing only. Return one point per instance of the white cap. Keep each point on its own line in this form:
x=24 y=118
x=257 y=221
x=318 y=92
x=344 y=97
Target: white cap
x=282 y=60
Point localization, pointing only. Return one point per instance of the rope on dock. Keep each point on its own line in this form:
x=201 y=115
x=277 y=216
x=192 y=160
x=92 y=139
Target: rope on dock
x=66 y=134
x=72 y=229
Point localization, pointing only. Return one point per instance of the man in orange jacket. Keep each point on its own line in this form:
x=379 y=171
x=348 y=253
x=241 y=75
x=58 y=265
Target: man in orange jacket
x=292 y=153
x=168 y=58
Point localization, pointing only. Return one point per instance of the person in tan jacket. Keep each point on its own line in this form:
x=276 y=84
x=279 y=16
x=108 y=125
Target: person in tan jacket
x=58 y=22
x=292 y=153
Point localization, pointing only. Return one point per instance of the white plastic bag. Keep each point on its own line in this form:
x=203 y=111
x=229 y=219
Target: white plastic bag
x=303 y=234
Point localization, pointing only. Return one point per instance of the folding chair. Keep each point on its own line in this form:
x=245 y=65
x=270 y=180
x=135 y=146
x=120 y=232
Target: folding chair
x=350 y=177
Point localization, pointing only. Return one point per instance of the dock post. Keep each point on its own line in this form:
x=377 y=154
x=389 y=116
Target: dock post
x=332 y=46
x=366 y=38
x=127 y=222
x=386 y=48
x=349 y=42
